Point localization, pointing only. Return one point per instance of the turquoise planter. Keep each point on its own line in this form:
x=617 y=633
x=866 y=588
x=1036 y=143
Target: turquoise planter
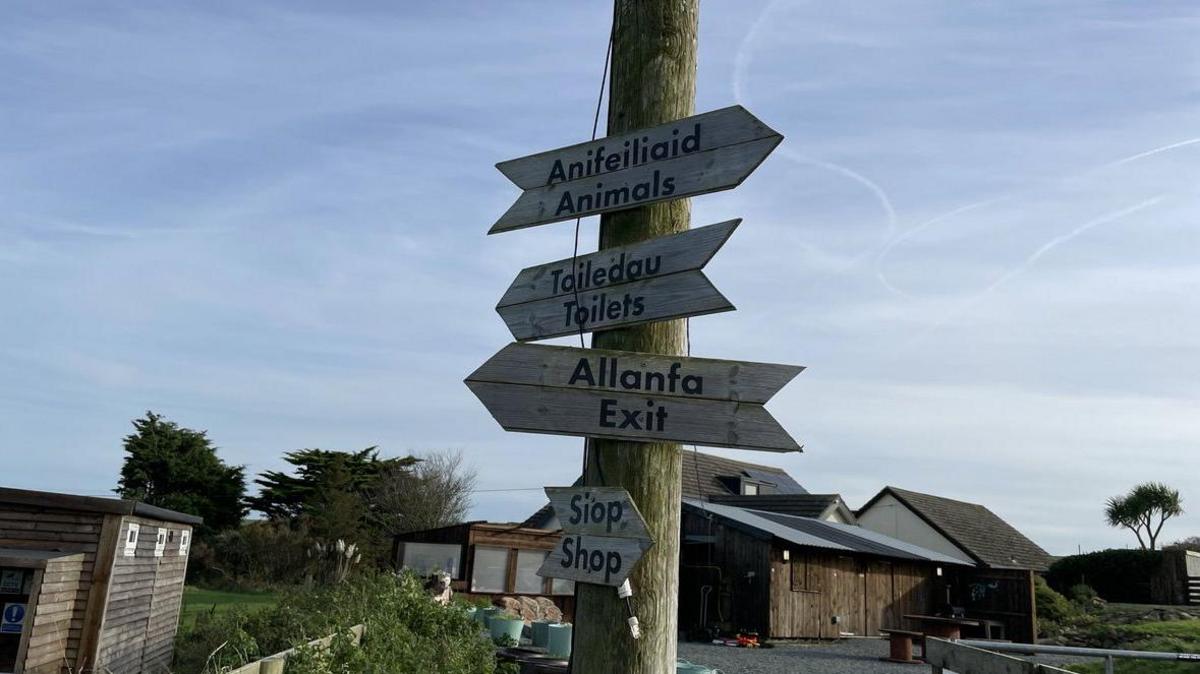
x=482 y=615
x=506 y=628
x=559 y=643
x=540 y=632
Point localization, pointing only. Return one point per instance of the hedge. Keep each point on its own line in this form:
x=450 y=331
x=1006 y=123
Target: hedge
x=1116 y=575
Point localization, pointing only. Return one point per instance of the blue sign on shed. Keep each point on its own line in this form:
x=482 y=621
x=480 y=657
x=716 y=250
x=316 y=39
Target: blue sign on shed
x=12 y=619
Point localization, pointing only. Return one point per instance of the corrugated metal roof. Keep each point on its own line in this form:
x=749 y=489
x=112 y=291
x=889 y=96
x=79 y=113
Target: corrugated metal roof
x=758 y=520
x=821 y=534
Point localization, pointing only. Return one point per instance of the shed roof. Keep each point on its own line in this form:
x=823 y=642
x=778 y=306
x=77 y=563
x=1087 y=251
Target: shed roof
x=707 y=476
x=814 y=533
x=980 y=533
x=92 y=504
x=802 y=505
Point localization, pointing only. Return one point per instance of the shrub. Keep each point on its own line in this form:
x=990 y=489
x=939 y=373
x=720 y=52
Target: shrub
x=1053 y=610
x=1082 y=594
x=253 y=556
x=406 y=632
x=1116 y=575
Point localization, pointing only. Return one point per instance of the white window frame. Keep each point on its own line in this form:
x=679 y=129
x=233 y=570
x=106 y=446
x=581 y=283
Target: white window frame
x=185 y=542
x=132 y=533
x=160 y=541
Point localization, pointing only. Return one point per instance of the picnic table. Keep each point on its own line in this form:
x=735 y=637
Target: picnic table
x=941 y=626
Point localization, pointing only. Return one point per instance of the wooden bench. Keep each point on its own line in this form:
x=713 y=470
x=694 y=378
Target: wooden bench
x=900 y=646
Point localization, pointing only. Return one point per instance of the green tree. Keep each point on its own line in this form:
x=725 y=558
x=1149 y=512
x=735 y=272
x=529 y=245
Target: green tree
x=178 y=468
x=1144 y=510
x=328 y=491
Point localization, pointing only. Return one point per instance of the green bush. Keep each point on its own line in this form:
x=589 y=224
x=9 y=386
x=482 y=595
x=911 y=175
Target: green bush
x=1082 y=594
x=1116 y=575
x=1053 y=610
x=406 y=632
x=256 y=555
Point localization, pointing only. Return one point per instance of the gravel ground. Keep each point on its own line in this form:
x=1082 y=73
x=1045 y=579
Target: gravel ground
x=851 y=656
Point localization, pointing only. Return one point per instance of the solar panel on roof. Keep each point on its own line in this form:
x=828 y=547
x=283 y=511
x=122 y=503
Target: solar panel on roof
x=784 y=484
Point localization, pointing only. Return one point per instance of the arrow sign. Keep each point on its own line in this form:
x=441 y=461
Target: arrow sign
x=597 y=511
x=654 y=280
x=626 y=395
x=695 y=155
x=594 y=559
x=604 y=535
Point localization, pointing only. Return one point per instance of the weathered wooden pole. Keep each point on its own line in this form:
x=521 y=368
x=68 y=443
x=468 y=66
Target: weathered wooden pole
x=653 y=82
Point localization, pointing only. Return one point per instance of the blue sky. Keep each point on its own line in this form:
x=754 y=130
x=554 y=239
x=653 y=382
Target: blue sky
x=267 y=220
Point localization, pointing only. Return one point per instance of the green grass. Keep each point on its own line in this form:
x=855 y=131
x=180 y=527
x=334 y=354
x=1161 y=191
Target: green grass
x=197 y=601
x=1172 y=636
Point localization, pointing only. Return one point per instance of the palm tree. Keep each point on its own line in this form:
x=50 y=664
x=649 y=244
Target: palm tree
x=1138 y=510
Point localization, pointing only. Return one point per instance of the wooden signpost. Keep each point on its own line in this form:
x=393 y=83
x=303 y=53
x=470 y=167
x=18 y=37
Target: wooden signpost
x=604 y=535
x=634 y=396
x=655 y=280
x=696 y=155
x=638 y=406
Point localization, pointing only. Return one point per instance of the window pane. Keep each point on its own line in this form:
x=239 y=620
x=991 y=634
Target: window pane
x=528 y=562
x=491 y=567
x=749 y=489
x=562 y=586
x=425 y=558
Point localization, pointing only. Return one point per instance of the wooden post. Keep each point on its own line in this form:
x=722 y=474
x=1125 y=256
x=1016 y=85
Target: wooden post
x=653 y=82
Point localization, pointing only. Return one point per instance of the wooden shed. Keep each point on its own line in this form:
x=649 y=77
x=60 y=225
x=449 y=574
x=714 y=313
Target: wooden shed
x=786 y=576
x=487 y=560
x=89 y=584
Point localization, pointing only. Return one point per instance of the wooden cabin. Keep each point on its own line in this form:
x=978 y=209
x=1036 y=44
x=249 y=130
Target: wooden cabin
x=791 y=577
x=487 y=560
x=997 y=583
x=89 y=584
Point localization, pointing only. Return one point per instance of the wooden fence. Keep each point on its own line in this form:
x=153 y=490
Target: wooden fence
x=274 y=664
x=946 y=656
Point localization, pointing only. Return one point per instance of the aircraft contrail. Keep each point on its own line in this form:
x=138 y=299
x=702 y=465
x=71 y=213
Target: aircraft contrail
x=741 y=64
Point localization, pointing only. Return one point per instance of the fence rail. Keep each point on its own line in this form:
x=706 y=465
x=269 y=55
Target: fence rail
x=950 y=656
x=274 y=664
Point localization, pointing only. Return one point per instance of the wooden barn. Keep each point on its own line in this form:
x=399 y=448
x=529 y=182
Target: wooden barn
x=487 y=560
x=89 y=584
x=788 y=576
x=997 y=584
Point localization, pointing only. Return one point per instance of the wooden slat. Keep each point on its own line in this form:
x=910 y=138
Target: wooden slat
x=689 y=293
x=562 y=411
x=672 y=254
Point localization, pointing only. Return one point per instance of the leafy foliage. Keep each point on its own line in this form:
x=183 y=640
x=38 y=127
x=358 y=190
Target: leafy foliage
x=434 y=492
x=319 y=475
x=1144 y=510
x=1116 y=575
x=257 y=555
x=406 y=632
x=178 y=468
x=1053 y=610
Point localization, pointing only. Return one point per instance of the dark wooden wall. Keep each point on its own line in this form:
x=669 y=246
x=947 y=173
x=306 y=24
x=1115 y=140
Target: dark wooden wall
x=736 y=565
x=1005 y=595
x=798 y=597
x=866 y=594
x=31 y=528
x=142 y=612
